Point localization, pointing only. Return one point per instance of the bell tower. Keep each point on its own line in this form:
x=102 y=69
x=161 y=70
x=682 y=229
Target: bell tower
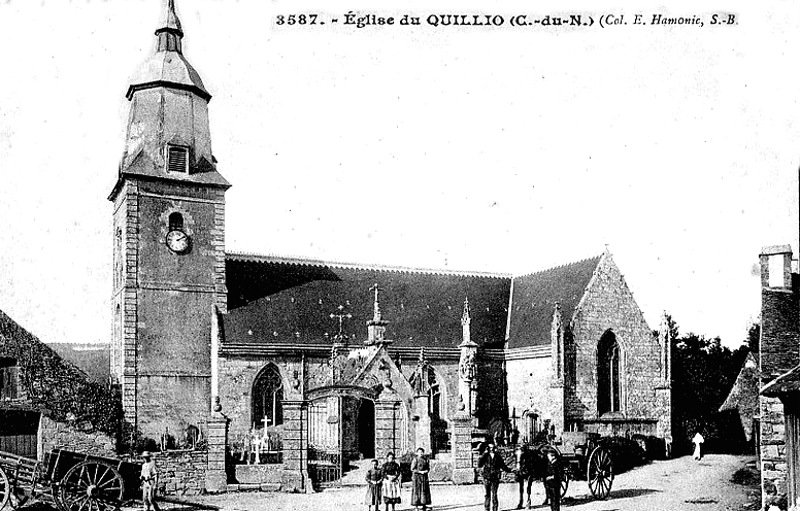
x=169 y=244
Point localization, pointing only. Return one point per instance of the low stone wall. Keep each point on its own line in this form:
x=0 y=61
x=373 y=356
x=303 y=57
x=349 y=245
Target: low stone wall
x=181 y=472
x=59 y=435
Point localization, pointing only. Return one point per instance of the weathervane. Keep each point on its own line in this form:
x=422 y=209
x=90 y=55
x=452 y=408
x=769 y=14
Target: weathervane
x=341 y=317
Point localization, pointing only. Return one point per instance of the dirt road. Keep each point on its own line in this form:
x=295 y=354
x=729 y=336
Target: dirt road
x=679 y=484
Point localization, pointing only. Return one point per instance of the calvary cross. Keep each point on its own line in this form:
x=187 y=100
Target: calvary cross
x=341 y=317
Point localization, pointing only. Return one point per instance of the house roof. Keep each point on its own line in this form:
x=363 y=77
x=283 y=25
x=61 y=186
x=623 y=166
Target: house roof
x=787 y=383
x=91 y=358
x=281 y=300
x=53 y=386
x=744 y=393
x=534 y=297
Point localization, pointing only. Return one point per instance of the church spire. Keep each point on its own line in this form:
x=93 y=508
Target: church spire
x=170 y=32
x=168 y=134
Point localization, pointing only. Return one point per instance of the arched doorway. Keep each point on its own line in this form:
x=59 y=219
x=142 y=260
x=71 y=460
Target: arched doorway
x=366 y=428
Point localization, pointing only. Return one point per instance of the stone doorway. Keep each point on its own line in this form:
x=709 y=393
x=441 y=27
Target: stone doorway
x=366 y=428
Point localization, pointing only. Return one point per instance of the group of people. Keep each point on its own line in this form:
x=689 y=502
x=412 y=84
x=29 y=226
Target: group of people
x=492 y=465
x=383 y=483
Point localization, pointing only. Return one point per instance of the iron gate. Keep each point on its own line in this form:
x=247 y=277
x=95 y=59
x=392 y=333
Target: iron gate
x=325 y=454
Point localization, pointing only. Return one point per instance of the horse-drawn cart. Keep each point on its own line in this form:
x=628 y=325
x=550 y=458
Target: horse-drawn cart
x=70 y=480
x=583 y=454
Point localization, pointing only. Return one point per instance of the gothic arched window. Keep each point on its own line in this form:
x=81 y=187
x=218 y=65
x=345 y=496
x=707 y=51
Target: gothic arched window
x=267 y=397
x=608 y=374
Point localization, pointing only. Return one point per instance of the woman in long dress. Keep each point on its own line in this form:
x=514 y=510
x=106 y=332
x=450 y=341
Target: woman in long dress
x=391 y=481
x=421 y=489
x=698 y=441
x=374 y=487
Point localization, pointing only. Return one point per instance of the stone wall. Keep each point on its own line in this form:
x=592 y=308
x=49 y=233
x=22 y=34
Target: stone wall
x=491 y=381
x=773 y=444
x=181 y=473
x=237 y=375
x=58 y=435
x=609 y=305
x=530 y=392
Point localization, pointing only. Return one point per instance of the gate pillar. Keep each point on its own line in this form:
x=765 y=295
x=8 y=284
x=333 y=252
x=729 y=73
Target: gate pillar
x=216 y=474
x=423 y=428
x=463 y=460
x=386 y=427
x=295 y=447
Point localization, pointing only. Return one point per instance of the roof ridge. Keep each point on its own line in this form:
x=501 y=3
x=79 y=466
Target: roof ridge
x=598 y=257
x=306 y=261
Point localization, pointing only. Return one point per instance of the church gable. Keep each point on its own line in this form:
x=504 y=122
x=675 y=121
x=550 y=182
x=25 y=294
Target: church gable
x=290 y=302
x=615 y=360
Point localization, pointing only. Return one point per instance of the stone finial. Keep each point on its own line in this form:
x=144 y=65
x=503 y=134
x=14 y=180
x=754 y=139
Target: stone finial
x=557 y=343
x=465 y=323
x=465 y=317
x=376 y=309
x=376 y=327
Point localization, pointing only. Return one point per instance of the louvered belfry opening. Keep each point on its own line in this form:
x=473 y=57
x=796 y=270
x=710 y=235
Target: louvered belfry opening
x=178 y=159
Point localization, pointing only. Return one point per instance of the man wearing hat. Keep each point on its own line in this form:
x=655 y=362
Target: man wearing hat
x=149 y=479
x=491 y=465
x=552 y=482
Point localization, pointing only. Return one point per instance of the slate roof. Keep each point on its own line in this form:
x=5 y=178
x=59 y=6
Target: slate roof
x=787 y=383
x=281 y=301
x=534 y=297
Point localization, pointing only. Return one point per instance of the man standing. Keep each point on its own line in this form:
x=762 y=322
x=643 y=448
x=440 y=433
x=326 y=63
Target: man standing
x=552 y=482
x=149 y=479
x=524 y=472
x=491 y=465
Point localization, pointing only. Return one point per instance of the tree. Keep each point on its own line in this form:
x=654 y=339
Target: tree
x=703 y=373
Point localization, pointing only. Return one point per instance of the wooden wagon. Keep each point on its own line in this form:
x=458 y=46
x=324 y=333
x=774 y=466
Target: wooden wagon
x=583 y=455
x=70 y=480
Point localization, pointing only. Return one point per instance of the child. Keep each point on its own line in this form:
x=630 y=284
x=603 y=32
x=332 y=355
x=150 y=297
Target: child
x=391 y=481
x=374 y=479
x=149 y=479
x=421 y=489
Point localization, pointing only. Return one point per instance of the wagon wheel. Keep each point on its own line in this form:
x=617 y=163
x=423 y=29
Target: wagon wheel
x=600 y=473
x=91 y=485
x=5 y=489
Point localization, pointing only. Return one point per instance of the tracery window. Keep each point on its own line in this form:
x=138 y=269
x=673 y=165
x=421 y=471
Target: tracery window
x=267 y=397
x=608 y=374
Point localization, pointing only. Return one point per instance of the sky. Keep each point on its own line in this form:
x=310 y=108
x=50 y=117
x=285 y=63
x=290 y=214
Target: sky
x=501 y=149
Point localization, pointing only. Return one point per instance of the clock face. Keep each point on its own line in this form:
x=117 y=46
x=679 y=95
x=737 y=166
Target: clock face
x=178 y=241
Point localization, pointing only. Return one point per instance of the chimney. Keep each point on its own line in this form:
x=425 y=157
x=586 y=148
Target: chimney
x=776 y=267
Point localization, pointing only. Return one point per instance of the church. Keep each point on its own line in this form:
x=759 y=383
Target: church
x=317 y=358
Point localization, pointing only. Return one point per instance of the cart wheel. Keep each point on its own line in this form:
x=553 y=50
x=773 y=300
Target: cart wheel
x=565 y=483
x=91 y=485
x=5 y=489
x=600 y=473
